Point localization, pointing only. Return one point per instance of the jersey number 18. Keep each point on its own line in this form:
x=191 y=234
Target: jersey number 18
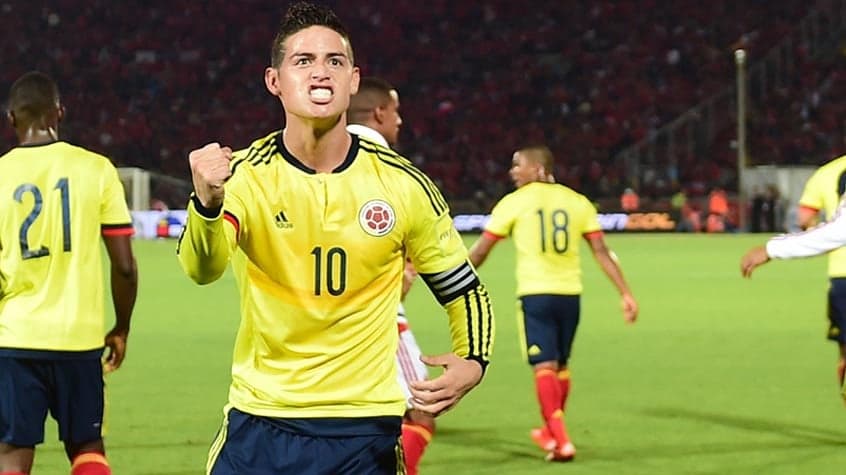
x=557 y=235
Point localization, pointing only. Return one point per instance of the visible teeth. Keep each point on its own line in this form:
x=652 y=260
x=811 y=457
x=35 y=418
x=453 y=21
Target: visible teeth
x=321 y=93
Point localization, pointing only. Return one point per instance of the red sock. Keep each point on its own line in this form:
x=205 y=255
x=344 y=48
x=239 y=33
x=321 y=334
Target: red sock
x=564 y=380
x=549 y=396
x=90 y=463
x=13 y=473
x=415 y=438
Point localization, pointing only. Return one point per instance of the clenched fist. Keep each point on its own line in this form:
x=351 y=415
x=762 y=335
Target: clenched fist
x=209 y=171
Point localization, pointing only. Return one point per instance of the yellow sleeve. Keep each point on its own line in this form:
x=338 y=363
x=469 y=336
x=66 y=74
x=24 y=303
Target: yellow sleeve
x=113 y=208
x=812 y=196
x=210 y=237
x=439 y=255
x=502 y=217
x=591 y=218
x=206 y=243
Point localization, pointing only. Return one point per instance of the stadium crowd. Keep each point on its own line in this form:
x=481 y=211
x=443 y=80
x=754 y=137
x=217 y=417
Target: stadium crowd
x=152 y=80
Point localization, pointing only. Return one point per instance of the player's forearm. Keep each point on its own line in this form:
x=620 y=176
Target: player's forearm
x=204 y=247
x=477 y=255
x=471 y=325
x=124 y=283
x=481 y=248
x=466 y=301
x=614 y=273
x=814 y=242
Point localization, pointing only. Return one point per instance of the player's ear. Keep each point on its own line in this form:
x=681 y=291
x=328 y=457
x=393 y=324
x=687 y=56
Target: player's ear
x=10 y=116
x=271 y=80
x=60 y=113
x=354 y=81
x=379 y=114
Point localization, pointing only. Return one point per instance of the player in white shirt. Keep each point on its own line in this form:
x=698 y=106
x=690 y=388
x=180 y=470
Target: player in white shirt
x=815 y=241
x=374 y=115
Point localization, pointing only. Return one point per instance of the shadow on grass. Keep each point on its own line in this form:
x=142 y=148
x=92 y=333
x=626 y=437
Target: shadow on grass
x=806 y=434
x=803 y=447
x=490 y=442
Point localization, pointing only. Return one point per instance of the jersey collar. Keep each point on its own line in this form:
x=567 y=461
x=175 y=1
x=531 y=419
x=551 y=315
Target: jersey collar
x=368 y=133
x=294 y=161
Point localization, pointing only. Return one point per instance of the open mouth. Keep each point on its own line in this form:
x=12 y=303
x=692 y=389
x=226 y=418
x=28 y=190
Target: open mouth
x=320 y=94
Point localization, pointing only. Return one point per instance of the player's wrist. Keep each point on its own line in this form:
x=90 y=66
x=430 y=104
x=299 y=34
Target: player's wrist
x=482 y=363
x=210 y=211
x=120 y=330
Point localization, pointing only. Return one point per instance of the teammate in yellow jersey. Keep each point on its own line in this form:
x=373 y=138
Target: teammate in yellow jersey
x=321 y=224
x=547 y=220
x=374 y=115
x=820 y=199
x=56 y=201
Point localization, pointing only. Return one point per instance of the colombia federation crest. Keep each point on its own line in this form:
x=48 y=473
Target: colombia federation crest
x=377 y=218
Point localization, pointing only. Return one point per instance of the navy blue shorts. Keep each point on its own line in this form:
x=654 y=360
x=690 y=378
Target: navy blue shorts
x=550 y=323
x=71 y=389
x=256 y=445
x=837 y=310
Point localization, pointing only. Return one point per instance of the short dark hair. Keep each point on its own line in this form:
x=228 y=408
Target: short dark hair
x=33 y=96
x=372 y=92
x=300 y=16
x=540 y=154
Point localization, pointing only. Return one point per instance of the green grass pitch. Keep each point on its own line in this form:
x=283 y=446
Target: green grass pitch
x=719 y=376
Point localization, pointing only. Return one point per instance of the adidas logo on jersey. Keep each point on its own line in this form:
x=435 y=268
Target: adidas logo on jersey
x=282 y=221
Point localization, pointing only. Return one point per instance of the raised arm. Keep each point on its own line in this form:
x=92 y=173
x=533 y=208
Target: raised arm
x=609 y=264
x=207 y=242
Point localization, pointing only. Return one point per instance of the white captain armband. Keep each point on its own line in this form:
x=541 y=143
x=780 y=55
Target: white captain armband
x=448 y=285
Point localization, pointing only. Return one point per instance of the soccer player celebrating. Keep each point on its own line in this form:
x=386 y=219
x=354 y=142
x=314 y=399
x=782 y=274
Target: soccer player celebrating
x=374 y=115
x=320 y=224
x=56 y=201
x=545 y=220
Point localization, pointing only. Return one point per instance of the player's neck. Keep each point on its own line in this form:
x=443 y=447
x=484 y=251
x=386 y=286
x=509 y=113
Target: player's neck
x=37 y=136
x=320 y=150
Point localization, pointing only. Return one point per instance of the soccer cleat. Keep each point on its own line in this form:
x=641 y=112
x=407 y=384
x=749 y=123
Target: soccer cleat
x=543 y=439
x=565 y=453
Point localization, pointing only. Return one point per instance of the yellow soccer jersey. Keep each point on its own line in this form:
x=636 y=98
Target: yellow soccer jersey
x=547 y=222
x=823 y=193
x=319 y=265
x=55 y=202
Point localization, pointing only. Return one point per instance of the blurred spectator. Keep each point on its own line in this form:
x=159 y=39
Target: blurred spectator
x=629 y=200
x=764 y=210
x=589 y=77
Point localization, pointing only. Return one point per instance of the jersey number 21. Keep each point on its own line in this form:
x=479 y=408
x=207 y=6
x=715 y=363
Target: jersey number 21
x=37 y=205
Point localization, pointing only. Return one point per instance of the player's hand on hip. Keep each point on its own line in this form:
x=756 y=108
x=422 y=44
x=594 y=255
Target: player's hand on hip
x=755 y=257
x=116 y=345
x=630 y=308
x=436 y=396
x=209 y=171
